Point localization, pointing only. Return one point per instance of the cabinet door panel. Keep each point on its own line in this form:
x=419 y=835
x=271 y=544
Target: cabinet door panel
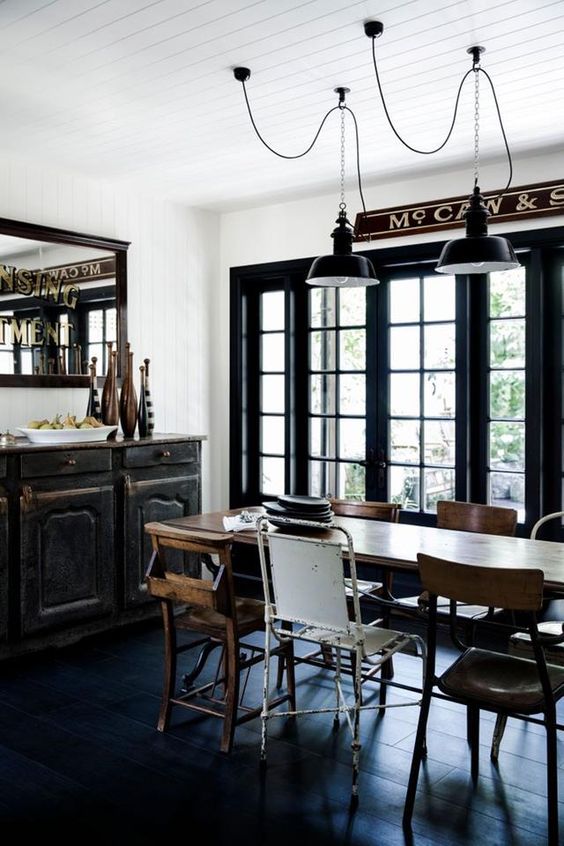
x=145 y=502
x=4 y=547
x=67 y=552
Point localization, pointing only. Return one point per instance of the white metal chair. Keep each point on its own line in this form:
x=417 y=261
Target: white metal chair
x=521 y=647
x=304 y=585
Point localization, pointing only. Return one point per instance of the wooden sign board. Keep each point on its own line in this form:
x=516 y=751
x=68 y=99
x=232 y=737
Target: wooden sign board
x=528 y=201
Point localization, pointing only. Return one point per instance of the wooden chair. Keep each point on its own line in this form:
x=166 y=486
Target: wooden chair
x=222 y=618
x=468 y=517
x=520 y=643
x=304 y=586
x=483 y=679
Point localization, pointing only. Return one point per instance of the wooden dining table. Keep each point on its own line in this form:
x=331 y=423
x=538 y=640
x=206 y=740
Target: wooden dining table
x=394 y=546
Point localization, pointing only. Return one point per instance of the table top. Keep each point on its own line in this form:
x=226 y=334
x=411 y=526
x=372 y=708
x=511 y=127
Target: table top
x=395 y=545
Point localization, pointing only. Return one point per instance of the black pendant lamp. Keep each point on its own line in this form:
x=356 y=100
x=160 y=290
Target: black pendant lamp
x=478 y=252
x=342 y=269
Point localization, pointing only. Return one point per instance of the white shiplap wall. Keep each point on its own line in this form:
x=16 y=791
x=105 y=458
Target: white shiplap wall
x=173 y=267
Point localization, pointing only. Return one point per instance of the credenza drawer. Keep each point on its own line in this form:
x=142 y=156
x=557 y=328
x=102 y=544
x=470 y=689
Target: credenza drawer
x=66 y=462
x=154 y=455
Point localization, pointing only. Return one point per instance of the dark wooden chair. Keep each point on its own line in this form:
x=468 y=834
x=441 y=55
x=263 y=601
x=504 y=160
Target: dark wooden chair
x=223 y=619
x=483 y=679
x=468 y=517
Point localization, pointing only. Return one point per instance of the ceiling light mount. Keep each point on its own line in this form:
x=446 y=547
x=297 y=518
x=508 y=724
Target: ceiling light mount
x=373 y=29
x=342 y=92
x=476 y=52
x=242 y=74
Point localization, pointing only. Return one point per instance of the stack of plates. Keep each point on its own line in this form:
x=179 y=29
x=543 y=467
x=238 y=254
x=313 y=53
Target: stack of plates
x=316 y=509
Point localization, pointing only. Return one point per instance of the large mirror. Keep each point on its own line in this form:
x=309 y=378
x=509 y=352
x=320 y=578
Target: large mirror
x=63 y=299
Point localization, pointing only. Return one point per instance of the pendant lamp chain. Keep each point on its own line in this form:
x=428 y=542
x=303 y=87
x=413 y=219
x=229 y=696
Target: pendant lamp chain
x=342 y=204
x=476 y=124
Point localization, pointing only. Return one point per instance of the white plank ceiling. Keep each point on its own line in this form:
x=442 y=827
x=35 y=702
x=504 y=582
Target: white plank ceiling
x=141 y=91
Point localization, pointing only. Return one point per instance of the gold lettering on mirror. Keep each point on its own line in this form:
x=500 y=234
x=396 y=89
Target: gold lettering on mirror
x=62 y=299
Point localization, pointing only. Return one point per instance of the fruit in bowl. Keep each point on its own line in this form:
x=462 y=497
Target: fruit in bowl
x=70 y=422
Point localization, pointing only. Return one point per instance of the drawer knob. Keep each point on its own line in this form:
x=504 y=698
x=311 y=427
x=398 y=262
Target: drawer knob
x=165 y=453
x=70 y=461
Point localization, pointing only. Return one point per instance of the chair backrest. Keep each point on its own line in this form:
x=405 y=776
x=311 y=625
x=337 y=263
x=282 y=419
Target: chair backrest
x=385 y=511
x=304 y=578
x=543 y=520
x=474 y=517
x=217 y=593
x=503 y=587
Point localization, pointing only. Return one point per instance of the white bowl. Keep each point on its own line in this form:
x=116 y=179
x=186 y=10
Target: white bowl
x=67 y=436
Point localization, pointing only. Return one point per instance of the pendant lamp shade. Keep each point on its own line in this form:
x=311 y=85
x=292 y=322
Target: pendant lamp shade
x=344 y=268
x=478 y=252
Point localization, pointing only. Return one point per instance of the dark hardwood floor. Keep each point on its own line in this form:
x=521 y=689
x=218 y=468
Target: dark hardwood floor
x=80 y=759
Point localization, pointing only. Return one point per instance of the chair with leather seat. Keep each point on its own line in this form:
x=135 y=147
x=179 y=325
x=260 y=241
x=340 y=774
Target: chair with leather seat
x=210 y=608
x=482 y=679
x=468 y=517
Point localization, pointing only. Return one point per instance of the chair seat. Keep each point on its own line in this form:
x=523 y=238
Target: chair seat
x=470 y=612
x=365 y=588
x=502 y=681
x=375 y=639
x=250 y=618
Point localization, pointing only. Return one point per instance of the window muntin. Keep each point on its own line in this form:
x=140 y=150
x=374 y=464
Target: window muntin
x=421 y=374
x=506 y=389
x=337 y=391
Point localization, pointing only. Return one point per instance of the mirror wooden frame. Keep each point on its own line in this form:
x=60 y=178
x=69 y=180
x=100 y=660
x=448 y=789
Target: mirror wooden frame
x=38 y=232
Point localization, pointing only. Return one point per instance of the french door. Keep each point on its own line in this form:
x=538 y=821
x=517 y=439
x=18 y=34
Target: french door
x=421 y=388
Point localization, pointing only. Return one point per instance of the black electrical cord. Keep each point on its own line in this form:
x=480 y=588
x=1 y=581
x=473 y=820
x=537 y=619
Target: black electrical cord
x=394 y=130
x=473 y=69
x=501 y=126
x=340 y=107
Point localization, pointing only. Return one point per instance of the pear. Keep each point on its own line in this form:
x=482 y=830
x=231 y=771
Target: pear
x=46 y=426
x=36 y=424
x=86 y=426
x=69 y=422
x=93 y=422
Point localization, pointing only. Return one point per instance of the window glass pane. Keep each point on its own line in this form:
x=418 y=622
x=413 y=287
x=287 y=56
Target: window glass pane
x=404 y=440
x=98 y=351
x=352 y=394
x=404 y=348
x=352 y=441
x=404 y=394
x=272 y=435
x=507 y=343
x=322 y=306
x=272 y=476
x=507 y=293
x=439 y=394
x=439 y=298
x=508 y=489
x=439 y=346
x=507 y=394
x=352 y=306
x=439 y=442
x=96 y=326
x=272 y=310
x=272 y=394
x=26 y=362
x=404 y=301
x=322 y=350
x=404 y=486
x=272 y=352
x=323 y=478
x=352 y=484
x=439 y=484
x=322 y=394
x=507 y=446
x=352 y=349
x=111 y=330
x=323 y=437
